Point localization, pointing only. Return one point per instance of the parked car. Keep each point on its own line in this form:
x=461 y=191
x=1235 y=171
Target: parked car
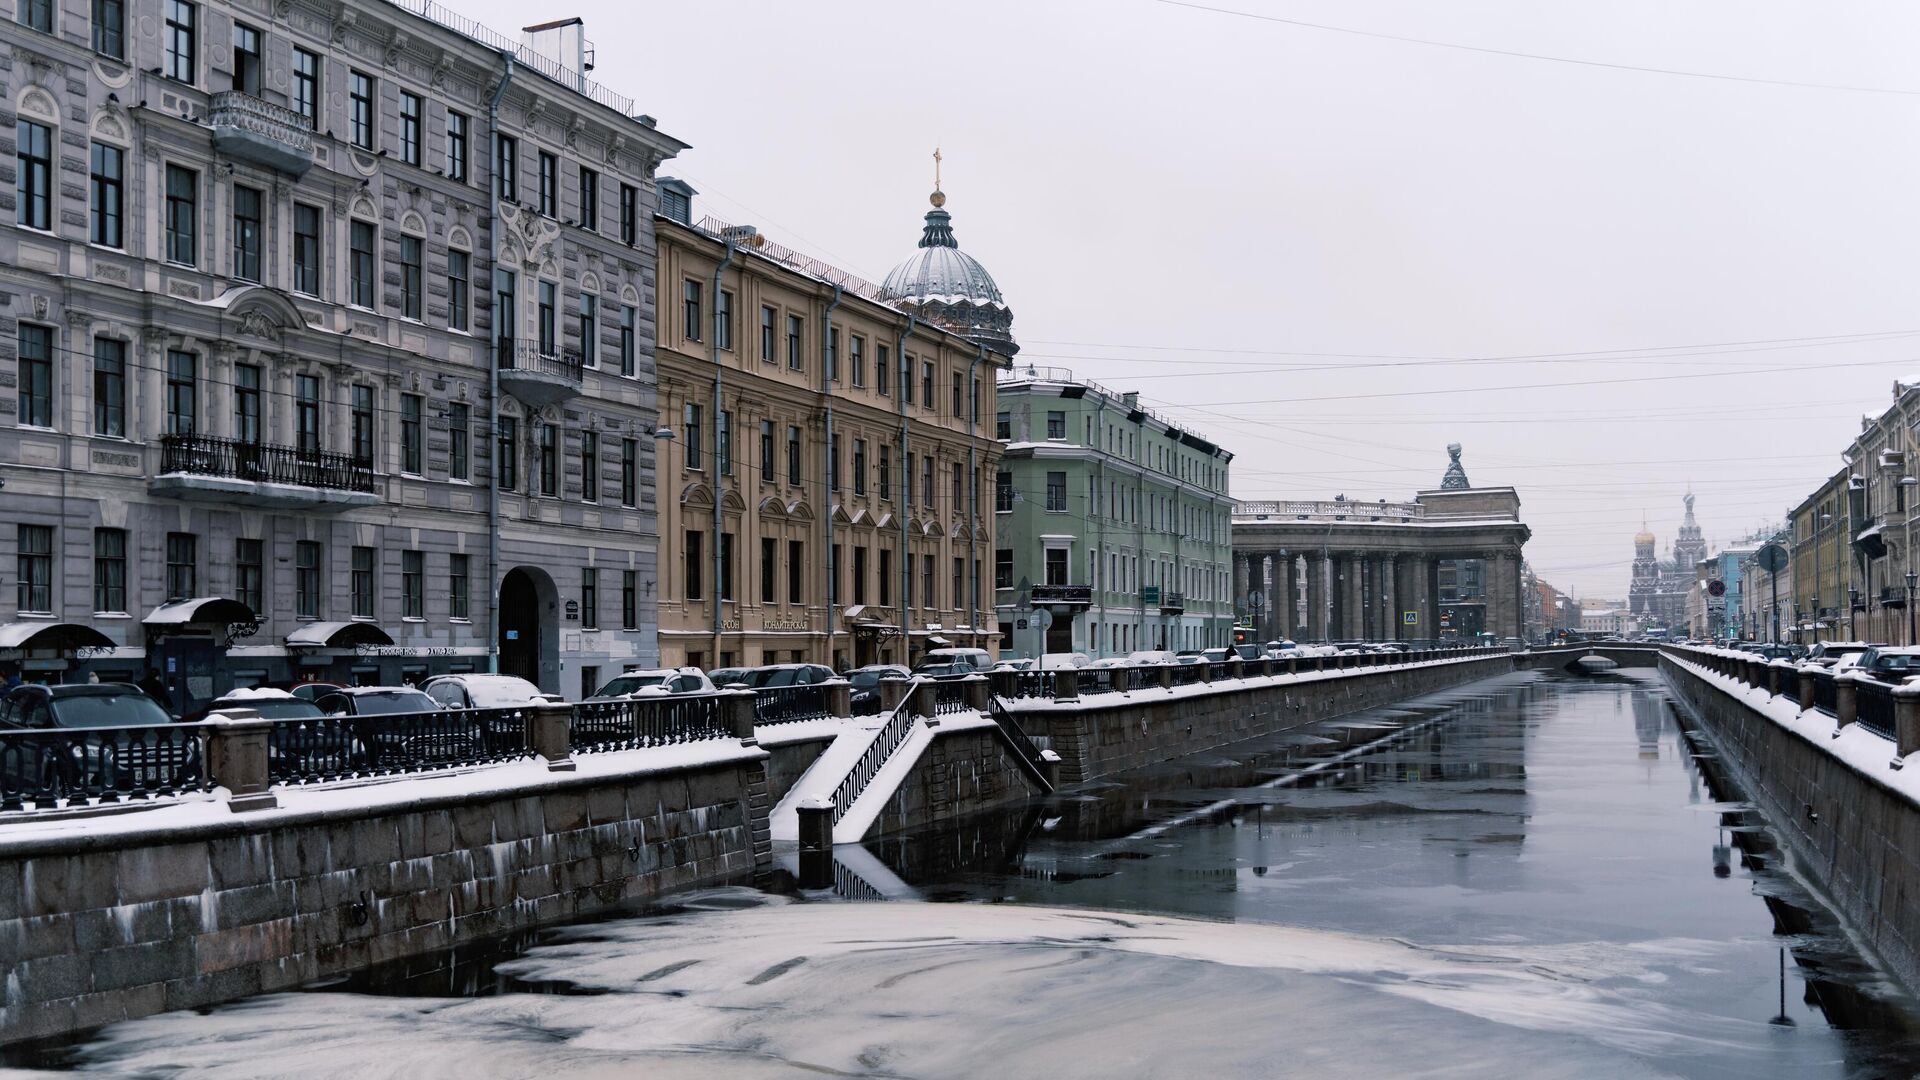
x=376 y=701
x=650 y=681
x=1832 y=653
x=122 y=760
x=307 y=745
x=866 y=685
x=1106 y=662
x=1024 y=663
x=975 y=659
x=728 y=676
x=312 y=691
x=483 y=691
x=265 y=702
x=1189 y=656
x=944 y=670
x=1250 y=651
x=1150 y=657
x=772 y=676
x=445 y=738
x=1054 y=661
x=1216 y=656
x=1890 y=664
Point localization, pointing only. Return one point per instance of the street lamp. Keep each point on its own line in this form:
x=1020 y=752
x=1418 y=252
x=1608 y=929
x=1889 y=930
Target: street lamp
x=1913 y=579
x=1853 y=602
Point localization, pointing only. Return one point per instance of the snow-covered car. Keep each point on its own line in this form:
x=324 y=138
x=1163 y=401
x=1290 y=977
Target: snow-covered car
x=1838 y=654
x=1054 y=661
x=1106 y=662
x=1148 y=657
x=486 y=691
x=265 y=702
x=644 y=682
x=865 y=696
x=1025 y=663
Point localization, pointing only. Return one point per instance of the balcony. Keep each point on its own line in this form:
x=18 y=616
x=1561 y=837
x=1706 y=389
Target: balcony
x=1173 y=603
x=1063 y=596
x=259 y=131
x=1893 y=596
x=206 y=469
x=537 y=378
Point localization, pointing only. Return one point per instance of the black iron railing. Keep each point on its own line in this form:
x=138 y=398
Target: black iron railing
x=63 y=767
x=267 y=463
x=787 y=704
x=1033 y=684
x=1187 y=674
x=949 y=696
x=342 y=747
x=885 y=742
x=1095 y=681
x=1063 y=594
x=1025 y=749
x=643 y=722
x=526 y=356
x=1824 y=697
x=1873 y=702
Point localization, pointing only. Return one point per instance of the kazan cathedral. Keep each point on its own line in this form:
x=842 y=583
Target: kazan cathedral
x=1658 y=594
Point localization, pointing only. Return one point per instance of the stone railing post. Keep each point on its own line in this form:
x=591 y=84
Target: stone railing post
x=1236 y=667
x=549 y=734
x=1846 y=705
x=816 y=842
x=1906 y=721
x=1319 y=662
x=1778 y=671
x=1066 y=684
x=926 y=700
x=1166 y=676
x=1293 y=665
x=979 y=693
x=1122 y=680
x=1806 y=673
x=839 y=697
x=1206 y=671
x=1003 y=684
x=737 y=707
x=893 y=691
x=237 y=759
x=1757 y=671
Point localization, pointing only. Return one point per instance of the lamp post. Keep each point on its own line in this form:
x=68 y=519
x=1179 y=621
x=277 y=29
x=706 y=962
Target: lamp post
x=1796 y=624
x=1913 y=579
x=1853 y=602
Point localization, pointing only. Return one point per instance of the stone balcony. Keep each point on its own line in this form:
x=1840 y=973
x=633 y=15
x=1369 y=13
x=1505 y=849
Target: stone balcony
x=1063 y=596
x=259 y=131
x=207 y=469
x=540 y=379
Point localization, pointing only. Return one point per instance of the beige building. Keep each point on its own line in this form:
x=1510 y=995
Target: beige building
x=840 y=438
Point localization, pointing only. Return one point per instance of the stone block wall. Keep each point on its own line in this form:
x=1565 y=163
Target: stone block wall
x=961 y=773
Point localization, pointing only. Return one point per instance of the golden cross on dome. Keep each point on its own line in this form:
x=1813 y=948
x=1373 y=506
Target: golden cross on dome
x=936 y=168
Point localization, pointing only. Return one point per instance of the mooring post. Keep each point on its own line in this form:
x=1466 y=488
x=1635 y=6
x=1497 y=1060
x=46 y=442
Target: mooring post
x=237 y=759
x=549 y=735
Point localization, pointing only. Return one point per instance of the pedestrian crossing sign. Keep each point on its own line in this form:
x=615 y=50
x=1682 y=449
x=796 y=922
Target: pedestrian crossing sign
x=1411 y=618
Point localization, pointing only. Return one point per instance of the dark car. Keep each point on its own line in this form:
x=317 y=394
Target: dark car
x=139 y=747
x=1892 y=665
x=866 y=685
x=773 y=676
x=420 y=734
x=312 y=691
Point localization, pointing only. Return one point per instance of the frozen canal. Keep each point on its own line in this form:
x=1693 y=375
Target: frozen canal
x=1534 y=878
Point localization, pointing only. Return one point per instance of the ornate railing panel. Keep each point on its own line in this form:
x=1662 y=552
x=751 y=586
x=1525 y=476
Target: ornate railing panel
x=885 y=742
x=787 y=704
x=1874 y=703
x=650 y=721
x=267 y=463
x=62 y=767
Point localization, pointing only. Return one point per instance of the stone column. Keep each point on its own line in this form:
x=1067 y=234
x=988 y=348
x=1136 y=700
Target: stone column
x=1356 y=609
x=1503 y=595
x=1316 y=598
x=1389 y=597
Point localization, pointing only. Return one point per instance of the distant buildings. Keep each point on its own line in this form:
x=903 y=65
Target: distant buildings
x=1657 y=594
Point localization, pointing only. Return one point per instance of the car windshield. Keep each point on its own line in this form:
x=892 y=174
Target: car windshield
x=866 y=680
x=116 y=709
x=939 y=669
x=627 y=684
x=398 y=701
x=767 y=678
x=276 y=709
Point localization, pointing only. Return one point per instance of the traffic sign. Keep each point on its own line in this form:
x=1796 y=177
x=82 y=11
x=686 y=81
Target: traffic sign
x=1772 y=558
x=1411 y=618
x=1716 y=587
x=1042 y=618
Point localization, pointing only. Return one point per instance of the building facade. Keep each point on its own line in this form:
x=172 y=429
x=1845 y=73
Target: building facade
x=821 y=488
x=1114 y=524
x=297 y=382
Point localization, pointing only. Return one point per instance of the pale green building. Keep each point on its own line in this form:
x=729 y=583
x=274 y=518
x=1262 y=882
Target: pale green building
x=1113 y=525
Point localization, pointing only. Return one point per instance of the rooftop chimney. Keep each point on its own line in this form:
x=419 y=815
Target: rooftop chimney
x=564 y=40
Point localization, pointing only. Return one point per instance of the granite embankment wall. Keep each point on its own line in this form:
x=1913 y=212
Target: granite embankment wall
x=1849 y=822
x=961 y=773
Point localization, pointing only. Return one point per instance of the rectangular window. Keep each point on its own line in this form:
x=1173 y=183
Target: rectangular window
x=906 y=584
x=413 y=585
x=506 y=296
x=1003 y=568
x=110 y=28
x=507 y=446
x=629 y=214
x=33 y=174
x=590 y=466
x=724 y=451
x=959 y=395
x=886 y=472
x=723 y=320
x=629 y=472
x=306 y=85
x=926 y=480
x=833 y=355
x=183 y=398
x=796 y=327
x=589 y=599
x=629 y=341
x=306 y=579
x=412 y=435
x=360 y=263
x=459 y=587
x=549 y=184
x=793 y=456
x=859 y=575
x=926 y=385
x=1003 y=427
x=37 y=15
x=957 y=485
x=769 y=336
x=306 y=249
x=549 y=460
x=833 y=463
x=36 y=375
x=459 y=294
x=361 y=583
x=457 y=146
x=110 y=570
x=249 y=574
x=409 y=128
x=182 y=30
x=108 y=199
x=1056 y=493
x=458 y=444
x=183 y=566
x=109 y=387
x=411 y=285
x=881 y=374
x=589 y=330
x=589 y=199
x=796 y=571
x=246 y=62
x=549 y=307
x=360 y=109
x=927 y=597
x=769 y=560
x=766 y=452
x=362 y=417
x=859 y=466
x=690 y=419
x=726 y=566
x=1003 y=493
x=183 y=215
x=246 y=233
x=506 y=166
x=885 y=570
x=692 y=564
x=246 y=404
x=629 y=600
x=690 y=297
x=857 y=359
x=34 y=568
x=1056 y=424
x=306 y=414
x=906 y=378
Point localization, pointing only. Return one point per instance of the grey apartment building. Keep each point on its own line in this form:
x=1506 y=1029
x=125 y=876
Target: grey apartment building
x=326 y=347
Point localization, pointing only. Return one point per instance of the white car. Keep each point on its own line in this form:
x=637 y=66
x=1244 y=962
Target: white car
x=1109 y=662
x=1054 y=661
x=483 y=691
x=648 y=682
x=1151 y=656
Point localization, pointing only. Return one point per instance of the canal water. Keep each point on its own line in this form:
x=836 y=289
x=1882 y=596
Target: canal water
x=1538 y=876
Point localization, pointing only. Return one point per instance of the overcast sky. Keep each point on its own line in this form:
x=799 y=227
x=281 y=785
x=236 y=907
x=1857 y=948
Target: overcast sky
x=1291 y=238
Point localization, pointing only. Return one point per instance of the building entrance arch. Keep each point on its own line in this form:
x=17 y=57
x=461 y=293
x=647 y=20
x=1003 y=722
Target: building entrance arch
x=530 y=627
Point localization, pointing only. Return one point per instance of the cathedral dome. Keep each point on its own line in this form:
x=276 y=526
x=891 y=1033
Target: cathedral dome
x=1643 y=538
x=948 y=286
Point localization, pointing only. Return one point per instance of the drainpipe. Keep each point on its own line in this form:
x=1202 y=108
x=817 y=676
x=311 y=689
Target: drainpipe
x=905 y=505
x=493 y=374
x=826 y=389
x=973 y=497
x=726 y=260
x=1099 y=527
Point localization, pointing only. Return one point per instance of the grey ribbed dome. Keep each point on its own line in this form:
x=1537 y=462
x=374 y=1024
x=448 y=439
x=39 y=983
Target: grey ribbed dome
x=949 y=286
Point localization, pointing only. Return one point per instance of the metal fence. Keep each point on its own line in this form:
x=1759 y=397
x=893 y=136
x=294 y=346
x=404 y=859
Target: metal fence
x=1873 y=701
x=949 y=696
x=341 y=747
x=206 y=455
x=65 y=767
x=786 y=704
x=642 y=722
x=1187 y=674
x=897 y=728
x=1025 y=749
x=1824 y=697
x=1033 y=684
x=1096 y=681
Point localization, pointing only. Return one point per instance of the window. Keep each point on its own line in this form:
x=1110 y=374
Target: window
x=110 y=387
x=506 y=166
x=833 y=463
x=590 y=466
x=110 y=28
x=958 y=501
x=306 y=249
x=629 y=600
x=33 y=176
x=690 y=294
x=549 y=305
x=1056 y=493
x=629 y=340
x=110 y=570
x=724 y=452
x=886 y=577
x=183 y=202
x=769 y=339
x=859 y=466
x=926 y=385
x=37 y=15
x=723 y=320
x=793 y=456
x=183 y=414
x=881 y=375
x=589 y=599
x=107 y=195
x=246 y=62
x=885 y=485
x=246 y=404
x=456 y=146
x=360 y=262
x=796 y=571
x=795 y=333
x=859 y=575
x=183 y=566
x=589 y=330
x=906 y=379
x=549 y=460
x=34 y=568
x=959 y=395
x=246 y=233
x=1003 y=427
x=413 y=585
x=361 y=415
x=306 y=413
x=36 y=375
x=459 y=587
x=1003 y=568
x=549 y=184
x=306 y=85
x=629 y=471
x=459 y=298
x=767 y=474
x=412 y=439
x=690 y=419
x=769 y=560
x=906 y=584
x=360 y=109
x=1056 y=424
x=692 y=561
x=928 y=599
x=926 y=480
x=249 y=574
x=306 y=579
x=589 y=199
x=506 y=292
x=833 y=355
x=857 y=358
x=726 y=566
x=410 y=128
x=361 y=583
x=629 y=214
x=973 y=402
x=458 y=445
x=182 y=51
x=507 y=446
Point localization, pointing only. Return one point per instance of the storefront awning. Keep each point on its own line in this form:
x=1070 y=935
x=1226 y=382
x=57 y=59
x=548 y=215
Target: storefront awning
x=338 y=635
x=57 y=636
x=202 y=611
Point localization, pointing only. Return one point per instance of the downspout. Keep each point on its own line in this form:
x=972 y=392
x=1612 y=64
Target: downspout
x=493 y=374
x=726 y=259
x=826 y=389
x=973 y=497
x=1100 y=524
x=905 y=506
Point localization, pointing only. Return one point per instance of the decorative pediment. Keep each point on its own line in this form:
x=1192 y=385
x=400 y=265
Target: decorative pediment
x=932 y=528
x=696 y=494
x=839 y=515
x=260 y=312
x=731 y=501
x=772 y=507
x=885 y=521
x=798 y=510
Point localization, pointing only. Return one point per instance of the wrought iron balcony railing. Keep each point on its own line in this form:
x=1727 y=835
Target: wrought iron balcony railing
x=1173 y=603
x=248 y=127
x=267 y=463
x=1063 y=594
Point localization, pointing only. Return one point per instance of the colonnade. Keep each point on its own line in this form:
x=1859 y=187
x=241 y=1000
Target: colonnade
x=1330 y=595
